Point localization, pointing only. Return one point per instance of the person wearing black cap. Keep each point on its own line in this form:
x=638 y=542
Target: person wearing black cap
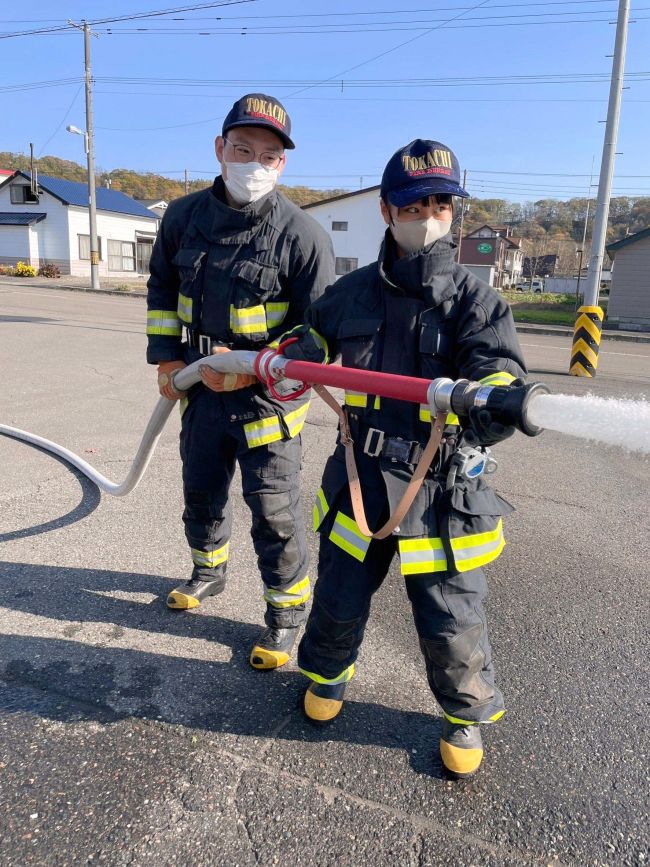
x=413 y=312
x=233 y=267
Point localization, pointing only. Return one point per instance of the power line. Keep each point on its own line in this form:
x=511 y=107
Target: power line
x=138 y=15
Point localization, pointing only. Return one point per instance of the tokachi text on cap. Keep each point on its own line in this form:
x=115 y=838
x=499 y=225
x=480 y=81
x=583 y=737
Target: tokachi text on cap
x=258 y=109
x=422 y=168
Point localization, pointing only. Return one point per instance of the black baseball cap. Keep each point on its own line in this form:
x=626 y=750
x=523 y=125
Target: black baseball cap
x=421 y=168
x=258 y=109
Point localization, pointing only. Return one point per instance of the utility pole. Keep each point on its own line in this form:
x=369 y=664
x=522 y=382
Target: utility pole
x=462 y=218
x=89 y=144
x=588 y=326
x=187 y=185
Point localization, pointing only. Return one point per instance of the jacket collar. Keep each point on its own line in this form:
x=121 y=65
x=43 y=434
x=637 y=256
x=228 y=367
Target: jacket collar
x=427 y=274
x=219 y=222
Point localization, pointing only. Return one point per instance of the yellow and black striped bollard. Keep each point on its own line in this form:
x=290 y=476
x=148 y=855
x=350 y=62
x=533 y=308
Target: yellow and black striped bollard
x=586 y=341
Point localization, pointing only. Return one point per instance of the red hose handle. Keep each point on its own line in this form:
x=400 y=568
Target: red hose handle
x=268 y=382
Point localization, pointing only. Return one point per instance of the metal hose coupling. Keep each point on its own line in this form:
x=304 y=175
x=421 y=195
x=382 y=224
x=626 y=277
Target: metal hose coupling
x=508 y=403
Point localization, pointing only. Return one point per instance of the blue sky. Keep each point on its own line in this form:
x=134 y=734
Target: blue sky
x=521 y=141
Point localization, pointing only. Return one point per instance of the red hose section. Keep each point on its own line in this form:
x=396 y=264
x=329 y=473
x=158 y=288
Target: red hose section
x=391 y=385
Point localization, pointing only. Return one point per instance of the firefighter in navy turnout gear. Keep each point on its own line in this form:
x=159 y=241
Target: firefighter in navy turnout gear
x=233 y=267
x=414 y=312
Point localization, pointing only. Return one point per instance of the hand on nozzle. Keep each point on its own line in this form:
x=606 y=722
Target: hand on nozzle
x=484 y=429
x=219 y=382
x=165 y=387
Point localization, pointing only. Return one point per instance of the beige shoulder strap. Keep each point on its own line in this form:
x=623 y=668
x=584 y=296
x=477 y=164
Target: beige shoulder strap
x=437 y=428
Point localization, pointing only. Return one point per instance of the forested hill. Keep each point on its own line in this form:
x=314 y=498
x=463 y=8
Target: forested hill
x=544 y=219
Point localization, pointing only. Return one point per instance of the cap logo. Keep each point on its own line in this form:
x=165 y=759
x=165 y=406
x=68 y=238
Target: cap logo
x=435 y=162
x=266 y=109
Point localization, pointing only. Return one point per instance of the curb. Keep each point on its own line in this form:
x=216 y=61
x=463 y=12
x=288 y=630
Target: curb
x=566 y=331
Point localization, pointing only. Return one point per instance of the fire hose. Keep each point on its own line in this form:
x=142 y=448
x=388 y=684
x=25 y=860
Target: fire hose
x=508 y=404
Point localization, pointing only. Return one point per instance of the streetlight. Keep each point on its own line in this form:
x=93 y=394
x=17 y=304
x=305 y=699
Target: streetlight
x=92 y=206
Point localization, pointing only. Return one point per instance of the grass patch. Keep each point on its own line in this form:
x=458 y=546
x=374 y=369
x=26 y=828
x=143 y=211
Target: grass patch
x=545 y=308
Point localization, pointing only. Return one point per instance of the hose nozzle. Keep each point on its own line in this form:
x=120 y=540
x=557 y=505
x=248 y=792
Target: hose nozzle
x=507 y=403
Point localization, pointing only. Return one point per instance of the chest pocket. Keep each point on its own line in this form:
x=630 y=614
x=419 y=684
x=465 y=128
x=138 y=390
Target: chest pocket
x=188 y=262
x=357 y=343
x=436 y=359
x=253 y=309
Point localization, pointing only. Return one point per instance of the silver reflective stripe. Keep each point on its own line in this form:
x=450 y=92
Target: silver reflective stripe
x=266 y=430
x=210 y=558
x=320 y=509
x=185 y=308
x=276 y=312
x=346 y=534
x=247 y=320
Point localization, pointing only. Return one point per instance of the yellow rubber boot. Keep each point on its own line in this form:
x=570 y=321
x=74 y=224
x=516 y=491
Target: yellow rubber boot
x=461 y=749
x=193 y=592
x=323 y=702
x=273 y=648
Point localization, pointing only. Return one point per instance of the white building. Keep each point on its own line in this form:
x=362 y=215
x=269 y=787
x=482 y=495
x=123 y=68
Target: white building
x=355 y=224
x=51 y=227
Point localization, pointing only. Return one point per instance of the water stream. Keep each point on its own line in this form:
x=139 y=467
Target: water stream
x=616 y=422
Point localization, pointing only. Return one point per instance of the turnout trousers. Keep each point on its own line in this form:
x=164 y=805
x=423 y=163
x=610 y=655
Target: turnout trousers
x=212 y=442
x=448 y=614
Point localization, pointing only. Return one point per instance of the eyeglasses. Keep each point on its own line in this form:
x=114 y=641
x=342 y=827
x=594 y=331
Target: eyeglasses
x=244 y=154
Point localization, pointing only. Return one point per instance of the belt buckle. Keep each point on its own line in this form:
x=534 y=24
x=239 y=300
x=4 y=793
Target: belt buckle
x=204 y=344
x=374 y=450
x=398 y=449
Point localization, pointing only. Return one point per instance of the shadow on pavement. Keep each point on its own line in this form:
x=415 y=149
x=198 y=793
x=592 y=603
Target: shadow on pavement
x=171 y=687
x=90 y=499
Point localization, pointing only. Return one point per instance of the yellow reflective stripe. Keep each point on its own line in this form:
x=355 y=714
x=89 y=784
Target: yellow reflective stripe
x=356 y=398
x=425 y=415
x=183 y=403
x=321 y=508
x=295 y=419
x=164 y=322
x=501 y=377
x=247 y=320
x=320 y=340
x=347 y=535
x=263 y=431
x=466 y=722
x=276 y=312
x=377 y=403
x=476 y=550
x=422 y=555
x=343 y=677
x=210 y=558
x=184 y=308
x=290 y=596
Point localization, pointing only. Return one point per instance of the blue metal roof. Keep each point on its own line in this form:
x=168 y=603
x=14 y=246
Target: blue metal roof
x=73 y=193
x=11 y=219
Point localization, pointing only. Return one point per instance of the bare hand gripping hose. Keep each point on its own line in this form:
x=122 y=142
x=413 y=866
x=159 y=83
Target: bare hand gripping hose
x=509 y=403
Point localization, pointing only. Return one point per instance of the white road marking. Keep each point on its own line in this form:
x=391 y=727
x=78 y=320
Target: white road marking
x=608 y=352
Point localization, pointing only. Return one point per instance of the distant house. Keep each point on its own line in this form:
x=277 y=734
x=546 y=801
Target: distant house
x=157 y=206
x=493 y=254
x=629 y=293
x=51 y=226
x=354 y=223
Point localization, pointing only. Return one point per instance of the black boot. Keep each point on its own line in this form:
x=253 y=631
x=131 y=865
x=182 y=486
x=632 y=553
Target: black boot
x=193 y=592
x=461 y=748
x=274 y=647
x=323 y=702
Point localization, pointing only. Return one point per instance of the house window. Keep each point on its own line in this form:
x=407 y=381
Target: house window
x=21 y=194
x=339 y=226
x=84 y=246
x=344 y=266
x=121 y=256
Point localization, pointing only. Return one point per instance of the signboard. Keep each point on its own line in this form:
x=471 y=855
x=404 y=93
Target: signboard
x=485 y=248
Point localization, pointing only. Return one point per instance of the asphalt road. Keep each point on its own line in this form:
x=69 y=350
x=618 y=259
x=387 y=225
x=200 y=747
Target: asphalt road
x=134 y=735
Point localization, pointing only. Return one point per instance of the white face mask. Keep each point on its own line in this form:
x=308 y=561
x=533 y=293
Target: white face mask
x=414 y=235
x=248 y=182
